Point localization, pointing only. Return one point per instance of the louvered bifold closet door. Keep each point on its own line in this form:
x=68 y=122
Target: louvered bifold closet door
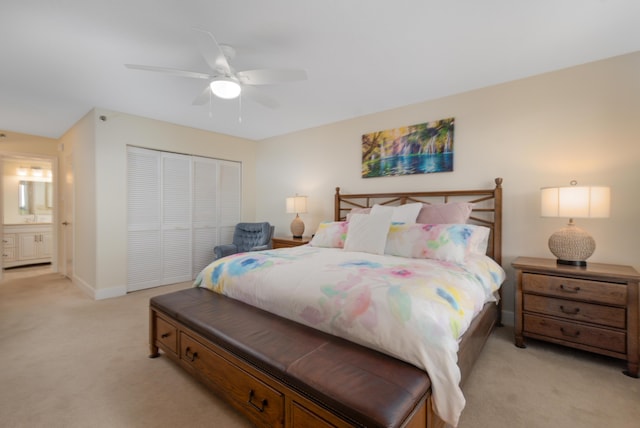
x=229 y=200
x=144 y=237
x=176 y=218
x=205 y=212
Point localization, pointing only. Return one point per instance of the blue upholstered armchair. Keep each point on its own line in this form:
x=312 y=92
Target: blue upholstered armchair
x=247 y=237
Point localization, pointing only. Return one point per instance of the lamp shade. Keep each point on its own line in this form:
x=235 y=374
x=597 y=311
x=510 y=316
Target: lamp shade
x=297 y=204
x=575 y=201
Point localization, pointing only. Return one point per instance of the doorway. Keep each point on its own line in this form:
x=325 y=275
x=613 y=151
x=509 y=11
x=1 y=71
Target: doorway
x=29 y=213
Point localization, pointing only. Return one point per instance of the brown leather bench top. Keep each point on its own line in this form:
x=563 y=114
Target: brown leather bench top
x=364 y=386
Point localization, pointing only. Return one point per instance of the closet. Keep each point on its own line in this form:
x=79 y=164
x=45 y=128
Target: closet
x=179 y=208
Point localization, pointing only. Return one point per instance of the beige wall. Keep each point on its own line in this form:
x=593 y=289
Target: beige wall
x=100 y=186
x=17 y=143
x=580 y=123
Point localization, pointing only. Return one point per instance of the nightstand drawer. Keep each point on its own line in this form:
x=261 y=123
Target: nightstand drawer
x=575 y=310
x=570 y=288
x=611 y=340
x=287 y=242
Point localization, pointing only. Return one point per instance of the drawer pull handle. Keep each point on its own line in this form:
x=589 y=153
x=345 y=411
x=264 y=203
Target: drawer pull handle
x=572 y=312
x=193 y=355
x=263 y=403
x=565 y=333
x=569 y=289
x=165 y=335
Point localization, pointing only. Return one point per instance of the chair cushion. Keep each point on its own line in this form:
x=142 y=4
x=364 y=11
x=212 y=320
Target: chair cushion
x=249 y=235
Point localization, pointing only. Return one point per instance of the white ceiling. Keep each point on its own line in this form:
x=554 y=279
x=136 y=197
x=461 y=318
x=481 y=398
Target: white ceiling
x=60 y=58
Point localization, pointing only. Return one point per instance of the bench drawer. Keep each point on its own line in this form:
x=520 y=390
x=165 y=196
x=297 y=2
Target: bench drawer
x=258 y=401
x=301 y=416
x=166 y=334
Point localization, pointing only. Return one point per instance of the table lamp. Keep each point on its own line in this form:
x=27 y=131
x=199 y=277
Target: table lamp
x=297 y=204
x=572 y=245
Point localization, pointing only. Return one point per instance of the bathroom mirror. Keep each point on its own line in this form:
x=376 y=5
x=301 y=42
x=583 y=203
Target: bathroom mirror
x=35 y=198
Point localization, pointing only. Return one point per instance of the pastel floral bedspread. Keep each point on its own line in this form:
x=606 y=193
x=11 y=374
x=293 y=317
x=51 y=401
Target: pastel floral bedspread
x=413 y=309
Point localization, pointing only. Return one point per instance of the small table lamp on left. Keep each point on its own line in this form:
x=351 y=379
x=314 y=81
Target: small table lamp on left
x=297 y=205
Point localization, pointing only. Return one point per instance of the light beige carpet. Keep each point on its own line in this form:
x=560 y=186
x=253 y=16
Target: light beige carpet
x=69 y=361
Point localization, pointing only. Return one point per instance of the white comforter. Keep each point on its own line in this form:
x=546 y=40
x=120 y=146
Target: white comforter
x=413 y=309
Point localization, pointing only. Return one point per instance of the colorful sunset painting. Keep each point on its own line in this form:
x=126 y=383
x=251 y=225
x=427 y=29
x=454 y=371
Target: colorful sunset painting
x=416 y=149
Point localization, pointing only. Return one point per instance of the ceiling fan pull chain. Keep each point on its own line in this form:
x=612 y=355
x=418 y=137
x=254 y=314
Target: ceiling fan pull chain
x=210 y=104
x=240 y=109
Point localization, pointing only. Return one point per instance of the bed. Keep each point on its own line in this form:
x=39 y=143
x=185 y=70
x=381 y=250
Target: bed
x=386 y=295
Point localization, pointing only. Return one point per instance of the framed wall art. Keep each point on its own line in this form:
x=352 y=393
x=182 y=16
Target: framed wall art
x=416 y=149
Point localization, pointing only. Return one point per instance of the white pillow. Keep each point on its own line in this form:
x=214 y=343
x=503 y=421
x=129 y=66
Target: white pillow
x=401 y=214
x=368 y=232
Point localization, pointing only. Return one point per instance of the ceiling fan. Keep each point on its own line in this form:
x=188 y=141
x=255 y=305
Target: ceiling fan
x=223 y=81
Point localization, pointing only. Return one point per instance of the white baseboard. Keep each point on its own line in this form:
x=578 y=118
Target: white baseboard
x=108 y=293
x=103 y=293
x=82 y=285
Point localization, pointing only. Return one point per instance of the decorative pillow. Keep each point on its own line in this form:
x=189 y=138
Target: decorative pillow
x=368 y=232
x=402 y=213
x=358 y=211
x=448 y=242
x=330 y=235
x=449 y=213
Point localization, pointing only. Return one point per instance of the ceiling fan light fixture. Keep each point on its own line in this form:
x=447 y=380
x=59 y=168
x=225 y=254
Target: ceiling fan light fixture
x=225 y=88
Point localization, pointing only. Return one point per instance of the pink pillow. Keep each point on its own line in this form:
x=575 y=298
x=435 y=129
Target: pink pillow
x=449 y=213
x=358 y=211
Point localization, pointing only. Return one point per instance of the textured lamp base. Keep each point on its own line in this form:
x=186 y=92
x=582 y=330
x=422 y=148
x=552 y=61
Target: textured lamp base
x=572 y=245
x=297 y=227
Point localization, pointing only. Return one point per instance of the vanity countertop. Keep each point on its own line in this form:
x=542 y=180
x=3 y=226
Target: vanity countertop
x=27 y=224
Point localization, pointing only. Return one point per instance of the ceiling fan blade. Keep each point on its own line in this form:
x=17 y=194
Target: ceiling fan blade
x=212 y=52
x=203 y=98
x=269 y=77
x=172 y=71
x=257 y=96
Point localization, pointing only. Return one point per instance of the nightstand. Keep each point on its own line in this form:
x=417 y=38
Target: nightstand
x=593 y=308
x=288 y=241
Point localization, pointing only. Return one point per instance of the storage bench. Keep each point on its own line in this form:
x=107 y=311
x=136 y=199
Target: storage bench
x=283 y=374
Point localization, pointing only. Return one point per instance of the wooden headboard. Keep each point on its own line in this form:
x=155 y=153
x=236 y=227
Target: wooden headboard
x=487 y=209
